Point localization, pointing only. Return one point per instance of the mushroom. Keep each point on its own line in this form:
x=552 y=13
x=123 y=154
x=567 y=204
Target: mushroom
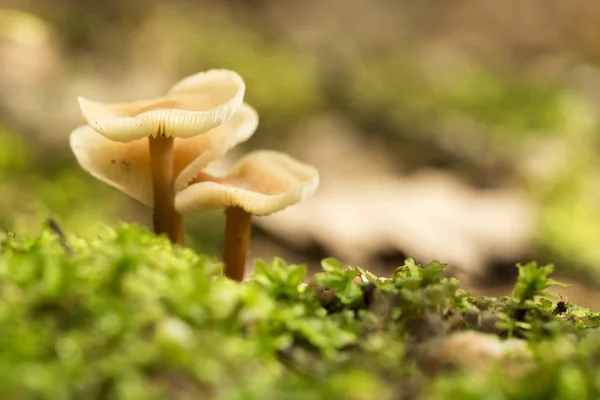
x=128 y=166
x=260 y=183
x=194 y=106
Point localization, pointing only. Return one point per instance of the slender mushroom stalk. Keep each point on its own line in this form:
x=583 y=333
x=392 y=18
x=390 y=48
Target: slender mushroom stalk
x=238 y=225
x=261 y=183
x=198 y=120
x=165 y=217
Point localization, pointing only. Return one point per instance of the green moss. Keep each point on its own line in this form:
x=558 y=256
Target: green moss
x=126 y=316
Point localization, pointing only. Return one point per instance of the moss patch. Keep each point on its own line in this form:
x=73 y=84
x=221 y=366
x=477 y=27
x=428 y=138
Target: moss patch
x=127 y=316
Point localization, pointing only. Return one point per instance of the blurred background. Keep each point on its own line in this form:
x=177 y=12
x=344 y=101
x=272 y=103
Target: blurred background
x=463 y=131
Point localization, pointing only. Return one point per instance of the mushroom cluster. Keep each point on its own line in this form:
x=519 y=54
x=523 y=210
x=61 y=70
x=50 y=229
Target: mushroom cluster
x=158 y=151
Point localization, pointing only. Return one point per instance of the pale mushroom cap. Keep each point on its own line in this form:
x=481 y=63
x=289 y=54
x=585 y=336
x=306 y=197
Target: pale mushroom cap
x=216 y=144
x=193 y=106
x=126 y=166
x=261 y=183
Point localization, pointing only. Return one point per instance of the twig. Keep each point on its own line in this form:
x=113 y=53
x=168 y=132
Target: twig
x=53 y=225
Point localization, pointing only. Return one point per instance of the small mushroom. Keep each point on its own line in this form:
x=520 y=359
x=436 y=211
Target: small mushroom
x=194 y=106
x=260 y=183
x=128 y=166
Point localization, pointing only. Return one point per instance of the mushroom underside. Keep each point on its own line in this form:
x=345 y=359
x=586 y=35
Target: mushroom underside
x=192 y=107
x=126 y=166
x=261 y=183
x=251 y=181
x=200 y=102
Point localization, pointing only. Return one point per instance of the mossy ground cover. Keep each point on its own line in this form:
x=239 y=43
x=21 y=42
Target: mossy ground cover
x=126 y=316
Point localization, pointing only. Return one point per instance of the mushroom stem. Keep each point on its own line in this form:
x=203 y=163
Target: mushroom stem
x=237 y=236
x=166 y=219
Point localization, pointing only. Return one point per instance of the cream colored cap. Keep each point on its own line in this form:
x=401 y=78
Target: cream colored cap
x=261 y=183
x=126 y=166
x=213 y=145
x=193 y=106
